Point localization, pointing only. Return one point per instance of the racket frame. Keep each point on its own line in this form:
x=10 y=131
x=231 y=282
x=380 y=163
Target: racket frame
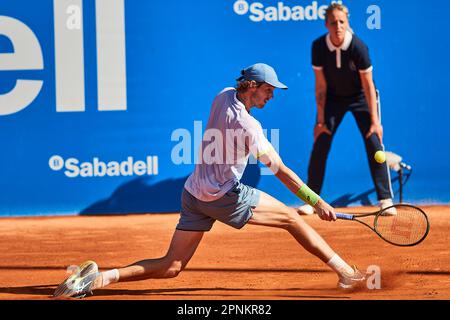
x=353 y=217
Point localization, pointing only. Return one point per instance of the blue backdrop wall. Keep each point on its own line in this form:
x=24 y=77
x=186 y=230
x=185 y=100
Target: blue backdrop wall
x=97 y=97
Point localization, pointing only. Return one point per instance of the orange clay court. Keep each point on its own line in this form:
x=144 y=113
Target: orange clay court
x=252 y=263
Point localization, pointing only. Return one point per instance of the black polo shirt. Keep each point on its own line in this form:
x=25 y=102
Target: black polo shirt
x=342 y=66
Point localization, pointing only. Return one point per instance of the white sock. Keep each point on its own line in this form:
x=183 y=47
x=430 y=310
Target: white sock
x=339 y=266
x=109 y=277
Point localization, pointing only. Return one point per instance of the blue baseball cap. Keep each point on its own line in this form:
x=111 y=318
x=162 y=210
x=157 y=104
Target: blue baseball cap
x=261 y=72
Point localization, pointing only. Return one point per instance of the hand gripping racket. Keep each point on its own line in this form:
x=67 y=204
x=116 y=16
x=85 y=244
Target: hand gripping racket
x=408 y=227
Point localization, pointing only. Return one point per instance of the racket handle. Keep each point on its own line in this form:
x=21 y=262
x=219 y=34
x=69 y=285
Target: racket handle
x=344 y=216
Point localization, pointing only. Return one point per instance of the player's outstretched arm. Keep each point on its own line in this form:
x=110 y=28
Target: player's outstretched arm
x=293 y=182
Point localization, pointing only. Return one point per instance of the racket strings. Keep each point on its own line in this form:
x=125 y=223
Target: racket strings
x=409 y=226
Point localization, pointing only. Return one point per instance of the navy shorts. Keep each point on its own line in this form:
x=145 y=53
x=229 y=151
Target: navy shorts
x=234 y=208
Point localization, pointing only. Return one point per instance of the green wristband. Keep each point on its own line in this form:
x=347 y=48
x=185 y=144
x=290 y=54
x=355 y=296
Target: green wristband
x=307 y=195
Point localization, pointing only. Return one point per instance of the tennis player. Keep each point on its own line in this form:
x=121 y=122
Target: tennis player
x=214 y=192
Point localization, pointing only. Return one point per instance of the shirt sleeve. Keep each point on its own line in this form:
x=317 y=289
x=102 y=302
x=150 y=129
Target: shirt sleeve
x=361 y=57
x=317 y=56
x=256 y=141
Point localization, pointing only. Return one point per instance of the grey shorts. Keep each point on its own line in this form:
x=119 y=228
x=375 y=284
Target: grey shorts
x=234 y=208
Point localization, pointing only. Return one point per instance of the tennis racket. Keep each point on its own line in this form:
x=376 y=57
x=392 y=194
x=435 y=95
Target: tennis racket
x=408 y=227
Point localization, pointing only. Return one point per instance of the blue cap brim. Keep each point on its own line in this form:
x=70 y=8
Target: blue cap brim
x=278 y=84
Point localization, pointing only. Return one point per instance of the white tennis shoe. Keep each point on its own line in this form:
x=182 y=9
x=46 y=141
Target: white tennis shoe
x=386 y=203
x=305 y=210
x=79 y=284
x=351 y=281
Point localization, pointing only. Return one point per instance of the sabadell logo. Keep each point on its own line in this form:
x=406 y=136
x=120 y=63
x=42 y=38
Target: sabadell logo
x=74 y=168
x=258 y=12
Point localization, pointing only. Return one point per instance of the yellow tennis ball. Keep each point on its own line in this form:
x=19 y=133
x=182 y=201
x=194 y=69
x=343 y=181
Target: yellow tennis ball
x=380 y=156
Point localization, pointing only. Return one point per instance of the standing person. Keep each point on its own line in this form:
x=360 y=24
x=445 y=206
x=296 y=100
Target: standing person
x=213 y=192
x=343 y=77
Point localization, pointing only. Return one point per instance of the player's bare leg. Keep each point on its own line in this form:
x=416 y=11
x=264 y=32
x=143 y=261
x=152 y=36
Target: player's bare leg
x=182 y=247
x=273 y=213
x=181 y=250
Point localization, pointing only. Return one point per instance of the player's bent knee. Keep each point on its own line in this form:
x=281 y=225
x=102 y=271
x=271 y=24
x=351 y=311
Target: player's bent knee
x=291 y=224
x=289 y=219
x=174 y=269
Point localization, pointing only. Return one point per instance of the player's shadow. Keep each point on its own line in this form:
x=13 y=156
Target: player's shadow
x=39 y=290
x=48 y=290
x=218 y=292
x=142 y=195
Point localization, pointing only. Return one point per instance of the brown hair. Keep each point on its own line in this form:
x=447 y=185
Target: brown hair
x=242 y=86
x=336 y=6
